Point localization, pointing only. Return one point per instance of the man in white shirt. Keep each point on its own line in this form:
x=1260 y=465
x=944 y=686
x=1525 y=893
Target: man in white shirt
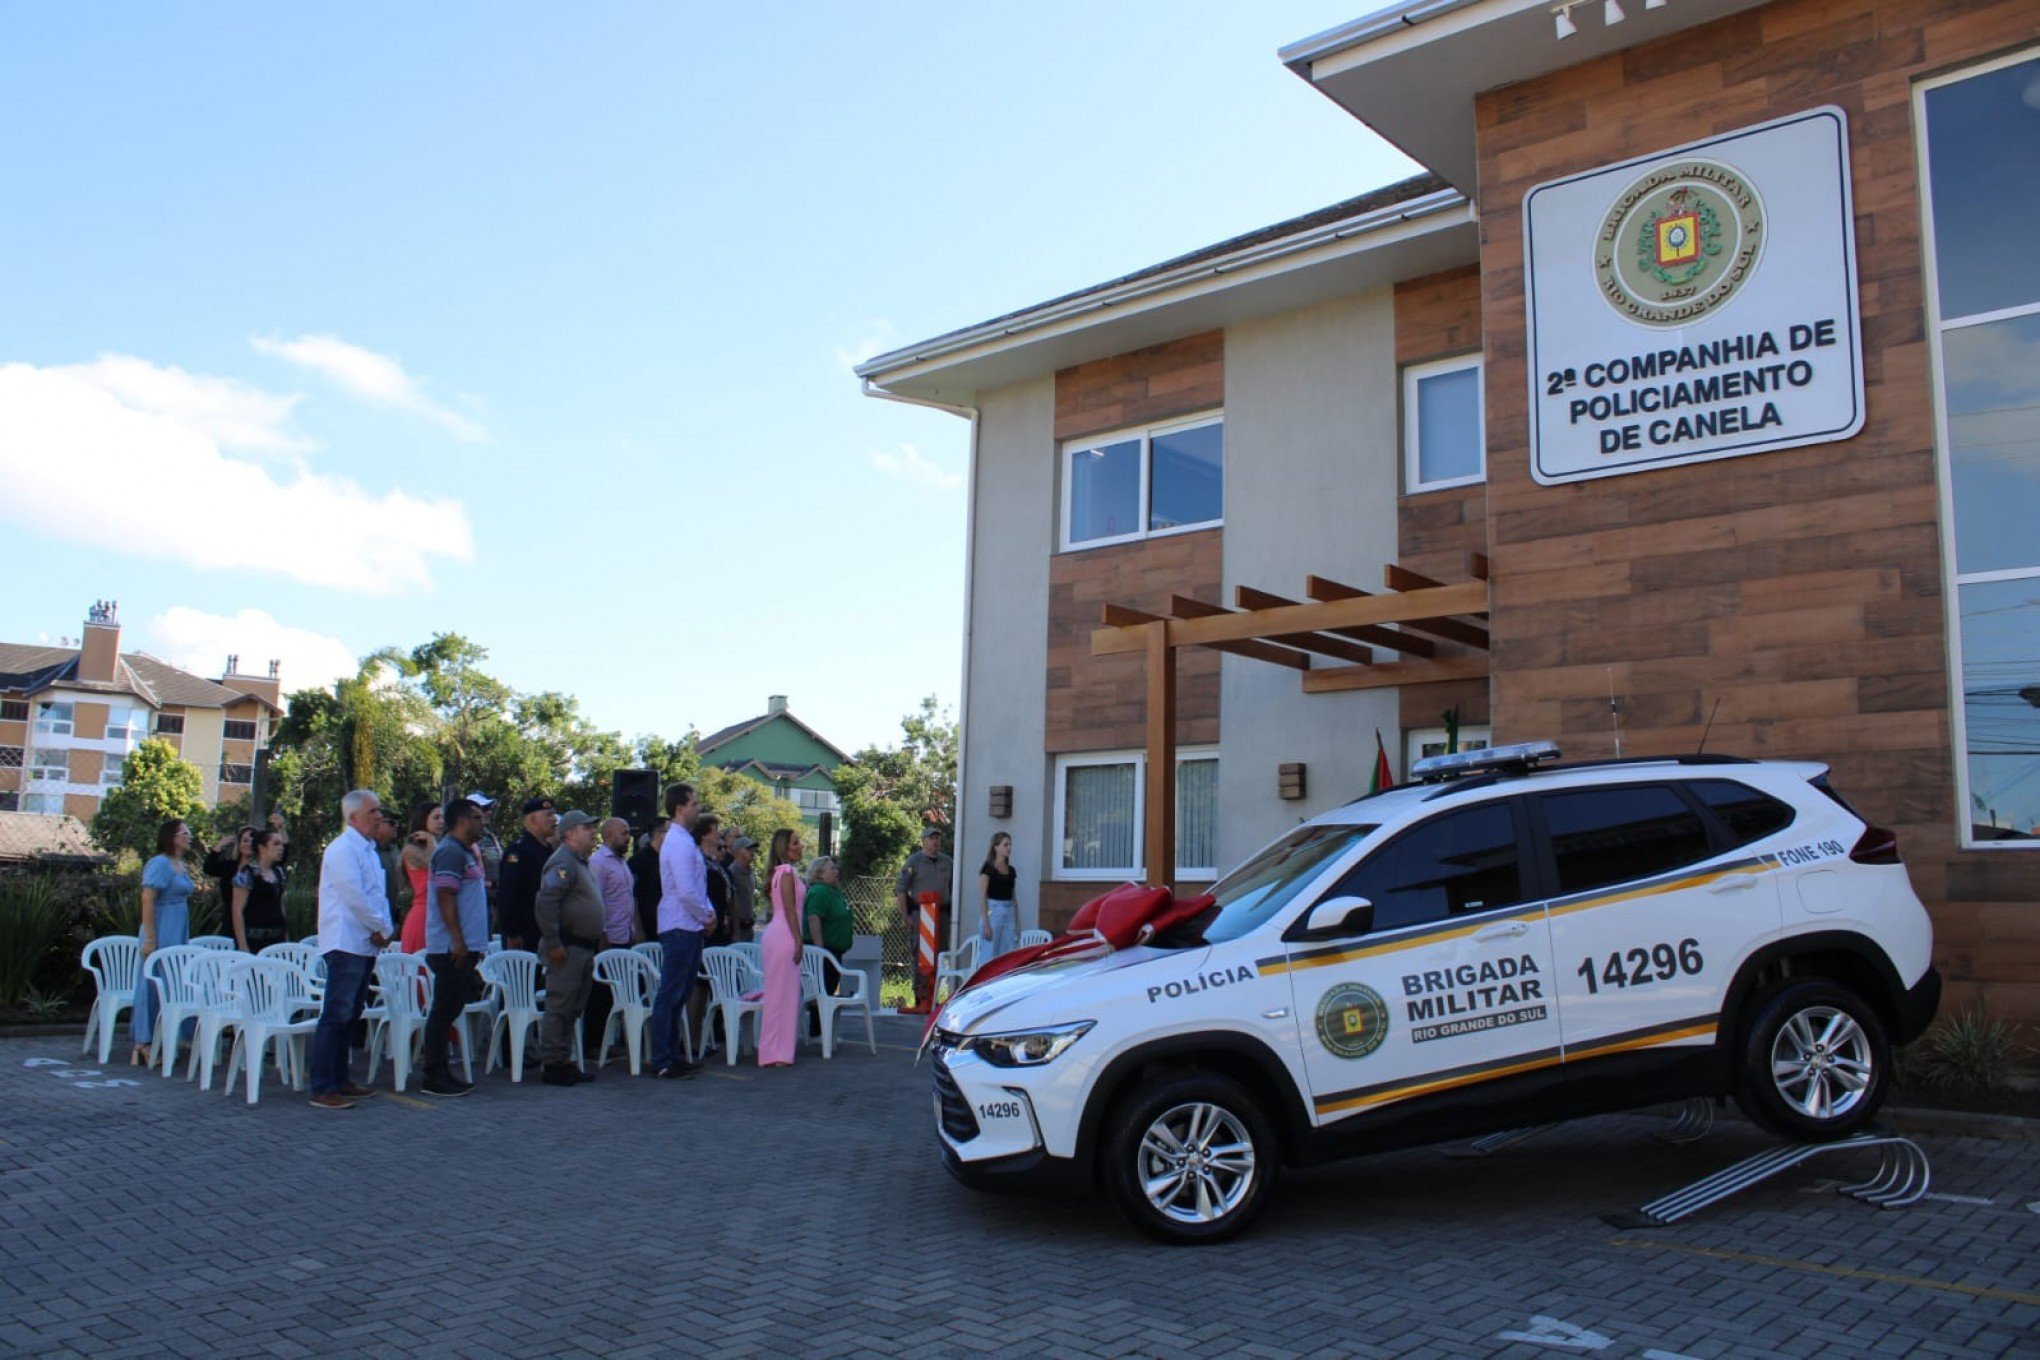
x=354 y=925
x=684 y=913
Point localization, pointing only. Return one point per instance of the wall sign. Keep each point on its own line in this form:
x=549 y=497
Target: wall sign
x=1695 y=304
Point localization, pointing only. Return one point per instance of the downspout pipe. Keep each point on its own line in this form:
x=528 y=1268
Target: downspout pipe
x=969 y=413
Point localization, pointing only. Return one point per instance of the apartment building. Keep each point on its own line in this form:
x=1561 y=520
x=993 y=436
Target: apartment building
x=71 y=716
x=1691 y=389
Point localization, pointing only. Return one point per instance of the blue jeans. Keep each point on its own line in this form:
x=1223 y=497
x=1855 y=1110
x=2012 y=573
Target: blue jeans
x=347 y=979
x=676 y=982
x=1002 y=930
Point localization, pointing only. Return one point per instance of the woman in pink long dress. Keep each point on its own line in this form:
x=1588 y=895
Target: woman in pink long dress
x=779 y=1023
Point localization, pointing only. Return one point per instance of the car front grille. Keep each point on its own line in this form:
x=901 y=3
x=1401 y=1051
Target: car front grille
x=957 y=1120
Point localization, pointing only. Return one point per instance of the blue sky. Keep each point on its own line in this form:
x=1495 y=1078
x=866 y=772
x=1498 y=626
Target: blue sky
x=322 y=330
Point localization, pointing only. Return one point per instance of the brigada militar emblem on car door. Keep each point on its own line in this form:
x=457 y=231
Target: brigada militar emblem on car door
x=1352 y=1020
x=1679 y=242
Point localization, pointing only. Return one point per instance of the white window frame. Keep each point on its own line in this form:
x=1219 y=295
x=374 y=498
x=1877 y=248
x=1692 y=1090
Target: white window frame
x=54 y=726
x=1146 y=435
x=42 y=771
x=134 y=723
x=115 y=764
x=1415 y=737
x=30 y=798
x=1937 y=327
x=1188 y=873
x=1413 y=482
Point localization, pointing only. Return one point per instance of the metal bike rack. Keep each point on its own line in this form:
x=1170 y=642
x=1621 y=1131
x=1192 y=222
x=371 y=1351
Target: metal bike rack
x=1902 y=1178
x=1693 y=1120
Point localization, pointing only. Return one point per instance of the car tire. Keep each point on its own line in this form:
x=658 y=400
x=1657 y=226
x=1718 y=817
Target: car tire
x=1815 y=1062
x=1190 y=1159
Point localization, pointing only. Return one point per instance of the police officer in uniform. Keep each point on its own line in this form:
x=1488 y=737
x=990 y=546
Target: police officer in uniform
x=927 y=871
x=569 y=916
x=523 y=866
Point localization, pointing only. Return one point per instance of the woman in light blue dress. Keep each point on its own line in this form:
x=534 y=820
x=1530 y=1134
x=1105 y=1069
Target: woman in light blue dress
x=166 y=921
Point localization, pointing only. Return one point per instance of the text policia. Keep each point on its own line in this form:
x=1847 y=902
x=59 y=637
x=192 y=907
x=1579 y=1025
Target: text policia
x=1739 y=369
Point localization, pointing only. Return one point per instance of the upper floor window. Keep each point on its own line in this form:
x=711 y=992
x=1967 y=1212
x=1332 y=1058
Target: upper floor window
x=1980 y=142
x=238 y=729
x=52 y=720
x=236 y=774
x=1444 y=431
x=815 y=800
x=48 y=804
x=13 y=710
x=123 y=724
x=1129 y=485
x=110 y=773
x=50 y=767
x=169 y=724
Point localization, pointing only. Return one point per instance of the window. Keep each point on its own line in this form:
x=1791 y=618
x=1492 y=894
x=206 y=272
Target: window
x=1126 y=486
x=110 y=771
x=169 y=724
x=50 y=767
x=13 y=710
x=238 y=729
x=1444 y=428
x=1265 y=884
x=236 y=774
x=815 y=800
x=1621 y=834
x=1099 y=805
x=124 y=724
x=1748 y=814
x=1980 y=150
x=48 y=804
x=52 y=720
x=1421 y=743
x=10 y=801
x=1462 y=862
x=10 y=757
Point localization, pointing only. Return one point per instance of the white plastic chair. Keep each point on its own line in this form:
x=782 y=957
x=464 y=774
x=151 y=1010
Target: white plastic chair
x=309 y=986
x=1029 y=938
x=264 y=1013
x=224 y=943
x=730 y=976
x=633 y=985
x=654 y=951
x=312 y=940
x=115 y=962
x=171 y=971
x=407 y=998
x=955 y=966
x=211 y=977
x=748 y=951
x=514 y=975
x=814 y=963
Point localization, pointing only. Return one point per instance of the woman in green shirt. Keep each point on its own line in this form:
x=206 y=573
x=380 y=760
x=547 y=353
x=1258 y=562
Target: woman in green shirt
x=828 y=916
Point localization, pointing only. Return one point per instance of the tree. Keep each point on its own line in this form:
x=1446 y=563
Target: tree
x=889 y=796
x=156 y=786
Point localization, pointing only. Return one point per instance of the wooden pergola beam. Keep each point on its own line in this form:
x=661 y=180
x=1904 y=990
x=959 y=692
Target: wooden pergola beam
x=1336 y=678
x=1325 y=590
x=1466 y=598
x=1185 y=607
x=1452 y=630
x=1246 y=597
x=1121 y=623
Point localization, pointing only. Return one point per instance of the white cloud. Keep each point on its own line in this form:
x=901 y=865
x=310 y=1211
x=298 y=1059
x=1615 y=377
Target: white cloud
x=234 y=415
x=909 y=465
x=374 y=378
x=80 y=462
x=877 y=338
x=201 y=643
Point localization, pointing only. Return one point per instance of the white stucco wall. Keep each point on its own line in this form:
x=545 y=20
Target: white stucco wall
x=1013 y=527
x=1310 y=487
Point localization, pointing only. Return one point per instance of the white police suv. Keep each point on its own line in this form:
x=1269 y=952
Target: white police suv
x=1510 y=942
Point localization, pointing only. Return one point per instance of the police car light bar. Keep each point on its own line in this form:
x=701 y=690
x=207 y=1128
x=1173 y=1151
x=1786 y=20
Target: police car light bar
x=1521 y=756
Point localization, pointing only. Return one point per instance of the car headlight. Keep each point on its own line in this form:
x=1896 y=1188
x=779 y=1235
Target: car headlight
x=1029 y=1048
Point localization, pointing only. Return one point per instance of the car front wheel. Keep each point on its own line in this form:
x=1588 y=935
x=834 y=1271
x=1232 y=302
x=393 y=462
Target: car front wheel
x=1191 y=1158
x=1815 y=1062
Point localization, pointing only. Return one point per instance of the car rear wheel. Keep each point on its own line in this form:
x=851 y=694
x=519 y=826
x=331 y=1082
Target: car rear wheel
x=1191 y=1159
x=1815 y=1062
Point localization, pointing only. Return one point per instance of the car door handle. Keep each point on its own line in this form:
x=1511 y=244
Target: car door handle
x=1739 y=883
x=1508 y=931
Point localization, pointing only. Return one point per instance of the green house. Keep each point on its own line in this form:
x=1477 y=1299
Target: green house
x=783 y=753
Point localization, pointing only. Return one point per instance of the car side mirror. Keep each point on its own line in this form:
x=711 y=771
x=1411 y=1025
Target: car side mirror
x=1336 y=917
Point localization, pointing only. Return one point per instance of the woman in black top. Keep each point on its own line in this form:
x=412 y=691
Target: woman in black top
x=997 y=880
x=223 y=865
x=256 y=916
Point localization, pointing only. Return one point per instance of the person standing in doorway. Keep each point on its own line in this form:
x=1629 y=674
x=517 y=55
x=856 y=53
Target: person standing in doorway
x=684 y=913
x=999 y=929
x=779 y=951
x=517 y=890
x=926 y=871
x=456 y=932
x=568 y=909
x=354 y=923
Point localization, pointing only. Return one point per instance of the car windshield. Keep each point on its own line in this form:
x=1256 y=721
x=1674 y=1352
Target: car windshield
x=1255 y=891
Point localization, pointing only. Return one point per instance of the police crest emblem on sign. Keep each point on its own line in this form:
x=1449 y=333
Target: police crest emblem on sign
x=1352 y=1020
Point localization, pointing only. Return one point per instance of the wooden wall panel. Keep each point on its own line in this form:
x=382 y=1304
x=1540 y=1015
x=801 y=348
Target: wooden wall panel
x=1802 y=590
x=1160 y=382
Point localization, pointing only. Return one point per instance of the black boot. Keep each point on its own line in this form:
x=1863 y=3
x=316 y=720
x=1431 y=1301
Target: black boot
x=561 y=1074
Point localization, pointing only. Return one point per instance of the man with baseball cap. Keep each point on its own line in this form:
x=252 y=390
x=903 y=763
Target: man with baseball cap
x=522 y=866
x=568 y=913
x=488 y=849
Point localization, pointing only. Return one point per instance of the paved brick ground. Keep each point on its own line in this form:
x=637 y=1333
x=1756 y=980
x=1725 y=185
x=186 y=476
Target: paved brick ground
x=803 y=1213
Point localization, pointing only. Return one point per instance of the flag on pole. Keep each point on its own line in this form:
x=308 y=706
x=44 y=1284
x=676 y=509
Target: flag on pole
x=1383 y=777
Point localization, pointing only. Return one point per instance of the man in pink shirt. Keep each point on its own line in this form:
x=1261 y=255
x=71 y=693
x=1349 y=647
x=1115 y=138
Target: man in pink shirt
x=619 y=916
x=684 y=913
